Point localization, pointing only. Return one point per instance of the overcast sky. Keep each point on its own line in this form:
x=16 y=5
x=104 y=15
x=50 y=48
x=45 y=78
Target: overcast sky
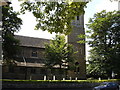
x=27 y=29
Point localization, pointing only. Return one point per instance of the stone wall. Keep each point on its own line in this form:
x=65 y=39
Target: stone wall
x=6 y=84
x=10 y=84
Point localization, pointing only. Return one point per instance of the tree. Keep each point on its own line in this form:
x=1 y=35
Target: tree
x=10 y=24
x=58 y=52
x=96 y=67
x=54 y=16
x=105 y=41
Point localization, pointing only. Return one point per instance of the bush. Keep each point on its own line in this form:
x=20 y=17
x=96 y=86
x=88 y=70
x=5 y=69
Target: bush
x=65 y=81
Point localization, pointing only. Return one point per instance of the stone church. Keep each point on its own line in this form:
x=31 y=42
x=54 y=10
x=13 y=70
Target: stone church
x=30 y=61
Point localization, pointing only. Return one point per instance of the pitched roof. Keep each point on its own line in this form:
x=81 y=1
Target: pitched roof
x=32 y=41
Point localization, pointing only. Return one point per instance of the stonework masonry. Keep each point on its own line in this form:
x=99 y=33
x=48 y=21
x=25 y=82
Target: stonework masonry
x=78 y=28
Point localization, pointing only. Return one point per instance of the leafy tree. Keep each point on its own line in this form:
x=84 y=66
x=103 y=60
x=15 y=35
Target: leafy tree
x=105 y=41
x=96 y=67
x=54 y=16
x=58 y=52
x=10 y=24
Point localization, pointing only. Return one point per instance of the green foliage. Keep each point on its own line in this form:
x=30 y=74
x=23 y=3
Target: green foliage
x=11 y=21
x=105 y=42
x=58 y=52
x=96 y=66
x=10 y=46
x=62 y=81
x=11 y=24
x=54 y=16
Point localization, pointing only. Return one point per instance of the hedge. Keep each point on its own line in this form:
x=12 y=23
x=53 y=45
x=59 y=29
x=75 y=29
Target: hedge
x=66 y=81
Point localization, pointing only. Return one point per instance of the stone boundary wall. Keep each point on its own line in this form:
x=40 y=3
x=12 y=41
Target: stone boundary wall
x=48 y=85
x=15 y=84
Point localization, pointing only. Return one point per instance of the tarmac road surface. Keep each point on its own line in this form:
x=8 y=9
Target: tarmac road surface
x=48 y=89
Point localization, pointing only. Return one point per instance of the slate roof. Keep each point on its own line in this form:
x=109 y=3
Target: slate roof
x=32 y=41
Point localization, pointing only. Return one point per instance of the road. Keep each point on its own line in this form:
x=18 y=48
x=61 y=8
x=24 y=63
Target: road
x=50 y=89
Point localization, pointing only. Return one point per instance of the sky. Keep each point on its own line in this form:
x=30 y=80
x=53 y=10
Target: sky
x=29 y=22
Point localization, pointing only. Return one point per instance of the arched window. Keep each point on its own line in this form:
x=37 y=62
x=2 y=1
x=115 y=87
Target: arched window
x=78 y=18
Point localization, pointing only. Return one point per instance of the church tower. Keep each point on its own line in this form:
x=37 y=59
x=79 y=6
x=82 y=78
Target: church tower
x=79 y=69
